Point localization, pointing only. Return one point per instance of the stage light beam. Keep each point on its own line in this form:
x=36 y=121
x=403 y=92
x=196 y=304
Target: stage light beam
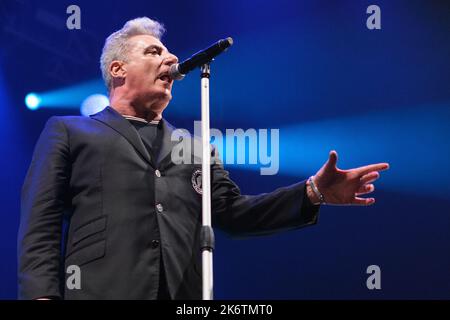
x=32 y=101
x=93 y=104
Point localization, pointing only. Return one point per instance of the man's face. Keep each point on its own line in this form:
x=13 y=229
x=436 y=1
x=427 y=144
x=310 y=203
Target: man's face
x=147 y=66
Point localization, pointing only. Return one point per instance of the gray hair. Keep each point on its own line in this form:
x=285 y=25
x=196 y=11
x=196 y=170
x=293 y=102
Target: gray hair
x=116 y=47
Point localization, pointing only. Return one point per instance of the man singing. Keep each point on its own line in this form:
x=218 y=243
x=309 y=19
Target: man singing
x=103 y=194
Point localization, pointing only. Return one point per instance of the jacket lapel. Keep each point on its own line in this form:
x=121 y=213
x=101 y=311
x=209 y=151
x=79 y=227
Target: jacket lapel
x=116 y=121
x=164 y=157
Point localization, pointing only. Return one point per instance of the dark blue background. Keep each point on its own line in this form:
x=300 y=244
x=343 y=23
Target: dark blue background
x=311 y=69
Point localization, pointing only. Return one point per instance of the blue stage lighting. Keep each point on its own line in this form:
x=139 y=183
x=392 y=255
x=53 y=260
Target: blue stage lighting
x=93 y=104
x=415 y=142
x=70 y=97
x=32 y=101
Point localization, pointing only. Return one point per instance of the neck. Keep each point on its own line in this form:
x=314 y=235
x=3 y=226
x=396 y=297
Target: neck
x=127 y=106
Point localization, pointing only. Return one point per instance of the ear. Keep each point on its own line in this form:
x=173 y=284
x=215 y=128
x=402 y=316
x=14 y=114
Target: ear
x=117 y=69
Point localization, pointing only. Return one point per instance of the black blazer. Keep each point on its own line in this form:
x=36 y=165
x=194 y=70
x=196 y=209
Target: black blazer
x=92 y=197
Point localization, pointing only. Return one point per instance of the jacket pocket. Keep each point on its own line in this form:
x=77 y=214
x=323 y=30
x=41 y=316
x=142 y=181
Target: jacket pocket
x=88 y=229
x=88 y=253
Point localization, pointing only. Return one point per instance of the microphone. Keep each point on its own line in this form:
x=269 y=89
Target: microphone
x=179 y=70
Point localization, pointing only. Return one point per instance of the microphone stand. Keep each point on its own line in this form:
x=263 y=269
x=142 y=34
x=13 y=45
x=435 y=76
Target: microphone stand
x=177 y=71
x=207 y=233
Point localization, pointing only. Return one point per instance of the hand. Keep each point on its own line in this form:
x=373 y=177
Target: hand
x=343 y=187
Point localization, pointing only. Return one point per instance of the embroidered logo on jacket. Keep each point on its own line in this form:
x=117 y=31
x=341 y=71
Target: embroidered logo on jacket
x=197 y=181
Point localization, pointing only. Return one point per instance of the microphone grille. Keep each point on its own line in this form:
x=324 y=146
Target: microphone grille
x=175 y=73
x=226 y=43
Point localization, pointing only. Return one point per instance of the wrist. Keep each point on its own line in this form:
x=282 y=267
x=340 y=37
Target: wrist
x=311 y=195
x=314 y=195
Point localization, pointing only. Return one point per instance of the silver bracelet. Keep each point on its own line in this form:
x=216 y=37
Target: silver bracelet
x=316 y=191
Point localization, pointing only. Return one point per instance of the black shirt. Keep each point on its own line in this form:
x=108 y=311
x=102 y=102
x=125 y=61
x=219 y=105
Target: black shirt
x=151 y=135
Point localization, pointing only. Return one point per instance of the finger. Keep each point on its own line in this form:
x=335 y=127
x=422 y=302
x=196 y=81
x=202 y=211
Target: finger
x=365 y=189
x=369 y=178
x=363 y=201
x=332 y=159
x=372 y=167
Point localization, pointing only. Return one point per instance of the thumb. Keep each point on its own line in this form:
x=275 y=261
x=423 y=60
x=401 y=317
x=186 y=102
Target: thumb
x=332 y=160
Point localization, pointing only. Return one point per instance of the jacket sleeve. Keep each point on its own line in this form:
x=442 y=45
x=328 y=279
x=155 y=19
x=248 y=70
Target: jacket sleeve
x=285 y=208
x=43 y=200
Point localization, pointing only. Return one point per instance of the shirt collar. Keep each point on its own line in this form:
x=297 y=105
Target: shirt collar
x=140 y=119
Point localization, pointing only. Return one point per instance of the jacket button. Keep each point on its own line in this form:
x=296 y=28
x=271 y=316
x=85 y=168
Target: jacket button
x=155 y=243
x=159 y=207
x=158 y=173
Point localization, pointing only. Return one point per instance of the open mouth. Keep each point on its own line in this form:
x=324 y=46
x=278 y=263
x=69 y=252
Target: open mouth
x=165 y=77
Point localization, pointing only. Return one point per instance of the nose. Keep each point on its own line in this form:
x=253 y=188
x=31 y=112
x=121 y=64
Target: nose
x=170 y=59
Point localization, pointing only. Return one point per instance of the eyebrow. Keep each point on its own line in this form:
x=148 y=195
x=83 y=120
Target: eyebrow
x=155 y=46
